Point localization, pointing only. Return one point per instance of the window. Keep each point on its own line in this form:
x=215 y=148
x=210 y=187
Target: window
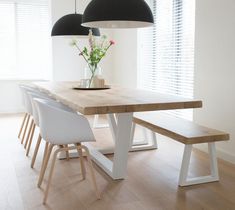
x=166 y=51
x=25 y=47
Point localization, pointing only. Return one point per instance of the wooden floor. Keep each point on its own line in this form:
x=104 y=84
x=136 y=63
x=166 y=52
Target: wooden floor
x=151 y=183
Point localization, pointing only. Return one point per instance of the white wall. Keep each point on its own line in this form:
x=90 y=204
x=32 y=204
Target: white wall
x=11 y=99
x=125 y=57
x=215 y=68
x=67 y=65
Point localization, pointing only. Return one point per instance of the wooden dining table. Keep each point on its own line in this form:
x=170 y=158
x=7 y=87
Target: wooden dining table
x=119 y=104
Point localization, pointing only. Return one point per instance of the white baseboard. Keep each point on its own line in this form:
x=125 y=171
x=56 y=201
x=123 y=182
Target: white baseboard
x=220 y=153
x=12 y=111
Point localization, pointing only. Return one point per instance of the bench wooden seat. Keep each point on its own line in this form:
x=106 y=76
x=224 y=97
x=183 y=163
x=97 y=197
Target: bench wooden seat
x=179 y=129
x=188 y=133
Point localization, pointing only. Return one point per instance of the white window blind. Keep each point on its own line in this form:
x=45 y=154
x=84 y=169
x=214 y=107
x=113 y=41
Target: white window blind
x=166 y=51
x=25 y=45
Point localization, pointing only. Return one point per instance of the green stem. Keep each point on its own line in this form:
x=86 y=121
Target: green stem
x=83 y=55
x=93 y=70
x=92 y=76
x=105 y=52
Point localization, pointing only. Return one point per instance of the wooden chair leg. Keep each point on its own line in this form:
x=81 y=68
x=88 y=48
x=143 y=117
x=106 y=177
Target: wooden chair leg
x=67 y=152
x=25 y=129
x=31 y=139
x=44 y=165
x=63 y=149
x=43 y=160
x=50 y=175
x=92 y=171
x=29 y=133
x=36 y=150
x=83 y=169
x=22 y=125
x=45 y=152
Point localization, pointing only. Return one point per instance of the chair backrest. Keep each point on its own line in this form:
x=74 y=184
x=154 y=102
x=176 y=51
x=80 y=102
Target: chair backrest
x=26 y=99
x=59 y=126
x=39 y=95
x=32 y=96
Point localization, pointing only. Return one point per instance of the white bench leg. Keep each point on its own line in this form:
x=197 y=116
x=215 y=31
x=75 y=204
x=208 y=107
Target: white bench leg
x=147 y=144
x=96 y=123
x=214 y=176
x=154 y=140
x=132 y=134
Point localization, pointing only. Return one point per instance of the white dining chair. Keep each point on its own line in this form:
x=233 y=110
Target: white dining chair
x=25 y=120
x=39 y=95
x=28 y=128
x=60 y=127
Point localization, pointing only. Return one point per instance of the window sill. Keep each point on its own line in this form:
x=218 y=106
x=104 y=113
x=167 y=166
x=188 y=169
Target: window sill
x=21 y=79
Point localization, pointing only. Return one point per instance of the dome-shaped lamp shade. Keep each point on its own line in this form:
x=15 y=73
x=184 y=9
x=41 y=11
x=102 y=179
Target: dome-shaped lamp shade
x=70 y=25
x=117 y=14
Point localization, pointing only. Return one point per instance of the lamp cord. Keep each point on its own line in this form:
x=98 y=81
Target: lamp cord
x=75 y=1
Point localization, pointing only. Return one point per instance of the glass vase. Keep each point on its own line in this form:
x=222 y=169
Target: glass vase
x=92 y=73
x=89 y=69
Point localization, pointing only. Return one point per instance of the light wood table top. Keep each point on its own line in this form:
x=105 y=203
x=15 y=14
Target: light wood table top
x=114 y=100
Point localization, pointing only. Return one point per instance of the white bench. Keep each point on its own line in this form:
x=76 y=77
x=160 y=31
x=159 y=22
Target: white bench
x=188 y=133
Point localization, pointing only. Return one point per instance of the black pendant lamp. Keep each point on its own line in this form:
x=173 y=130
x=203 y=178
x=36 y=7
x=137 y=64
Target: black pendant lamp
x=70 y=25
x=117 y=14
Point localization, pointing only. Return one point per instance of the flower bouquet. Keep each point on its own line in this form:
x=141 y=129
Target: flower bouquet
x=97 y=49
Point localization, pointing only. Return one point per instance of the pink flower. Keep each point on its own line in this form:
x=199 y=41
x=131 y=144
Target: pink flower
x=112 y=42
x=91 y=41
